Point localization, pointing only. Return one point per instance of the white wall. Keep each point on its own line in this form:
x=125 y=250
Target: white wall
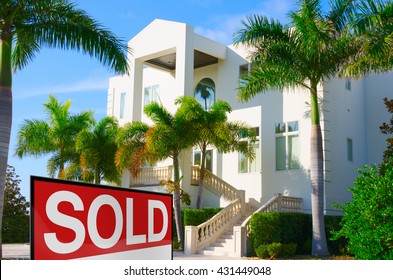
x=344 y=118
x=377 y=87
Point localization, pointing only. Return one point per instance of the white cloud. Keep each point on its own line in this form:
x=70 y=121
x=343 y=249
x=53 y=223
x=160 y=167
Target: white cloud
x=222 y=27
x=85 y=85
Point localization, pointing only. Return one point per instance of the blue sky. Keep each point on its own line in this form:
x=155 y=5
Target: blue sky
x=70 y=75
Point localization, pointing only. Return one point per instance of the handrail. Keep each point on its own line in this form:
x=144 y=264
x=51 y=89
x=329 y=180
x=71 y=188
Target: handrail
x=278 y=203
x=214 y=182
x=210 y=230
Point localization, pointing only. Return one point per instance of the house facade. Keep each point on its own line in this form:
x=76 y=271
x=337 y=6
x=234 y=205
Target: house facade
x=170 y=60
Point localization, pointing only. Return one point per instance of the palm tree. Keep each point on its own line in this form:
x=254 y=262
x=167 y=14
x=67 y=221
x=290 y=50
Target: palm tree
x=373 y=21
x=314 y=47
x=166 y=138
x=55 y=136
x=97 y=148
x=28 y=25
x=132 y=153
x=212 y=128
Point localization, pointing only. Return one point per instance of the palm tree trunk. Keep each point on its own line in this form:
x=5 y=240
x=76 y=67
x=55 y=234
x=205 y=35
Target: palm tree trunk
x=176 y=202
x=201 y=178
x=5 y=117
x=319 y=244
x=97 y=180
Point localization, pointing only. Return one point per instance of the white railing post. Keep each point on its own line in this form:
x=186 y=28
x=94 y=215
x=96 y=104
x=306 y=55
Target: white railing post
x=241 y=194
x=279 y=202
x=240 y=241
x=190 y=240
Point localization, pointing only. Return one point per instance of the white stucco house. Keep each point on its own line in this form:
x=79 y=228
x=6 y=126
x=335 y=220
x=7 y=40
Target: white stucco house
x=169 y=60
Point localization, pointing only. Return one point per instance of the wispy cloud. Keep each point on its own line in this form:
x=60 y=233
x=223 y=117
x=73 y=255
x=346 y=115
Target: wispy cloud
x=222 y=27
x=91 y=84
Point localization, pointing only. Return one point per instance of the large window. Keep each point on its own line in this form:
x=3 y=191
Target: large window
x=349 y=149
x=151 y=94
x=245 y=165
x=209 y=159
x=122 y=104
x=348 y=85
x=205 y=93
x=287 y=146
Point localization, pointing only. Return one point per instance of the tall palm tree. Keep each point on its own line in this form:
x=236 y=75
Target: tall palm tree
x=97 y=148
x=373 y=21
x=212 y=129
x=166 y=138
x=312 y=48
x=28 y=25
x=55 y=136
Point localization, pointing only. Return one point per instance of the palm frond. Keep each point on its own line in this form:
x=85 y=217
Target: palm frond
x=259 y=28
x=158 y=114
x=60 y=24
x=34 y=137
x=340 y=13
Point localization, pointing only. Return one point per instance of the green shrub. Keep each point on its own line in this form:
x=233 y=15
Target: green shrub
x=368 y=218
x=286 y=228
x=194 y=217
x=276 y=250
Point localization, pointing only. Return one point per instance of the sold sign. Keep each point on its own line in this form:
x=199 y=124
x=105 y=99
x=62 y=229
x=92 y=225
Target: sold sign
x=73 y=220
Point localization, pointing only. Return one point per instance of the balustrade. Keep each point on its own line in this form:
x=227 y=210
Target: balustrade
x=153 y=175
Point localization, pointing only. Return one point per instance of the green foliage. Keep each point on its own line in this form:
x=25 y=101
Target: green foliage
x=212 y=128
x=276 y=250
x=368 y=218
x=15 y=214
x=97 y=147
x=172 y=186
x=287 y=228
x=194 y=217
x=55 y=136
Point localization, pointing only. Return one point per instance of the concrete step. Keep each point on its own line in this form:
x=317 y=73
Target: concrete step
x=224 y=245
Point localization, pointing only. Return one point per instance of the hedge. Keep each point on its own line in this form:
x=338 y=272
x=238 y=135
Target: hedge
x=287 y=228
x=195 y=217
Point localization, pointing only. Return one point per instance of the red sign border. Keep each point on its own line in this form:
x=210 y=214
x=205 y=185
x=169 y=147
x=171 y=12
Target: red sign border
x=34 y=179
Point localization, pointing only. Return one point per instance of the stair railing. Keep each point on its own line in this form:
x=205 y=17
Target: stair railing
x=214 y=182
x=278 y=203
x=198 y=237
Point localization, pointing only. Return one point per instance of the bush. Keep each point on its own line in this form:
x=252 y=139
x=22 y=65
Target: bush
x=195 y=217
x=16 y=218
x=277 y=227
x=276 y=250
x=287 y=228
x=368 y=218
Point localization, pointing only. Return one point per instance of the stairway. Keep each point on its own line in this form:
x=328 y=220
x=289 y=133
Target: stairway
x=224 y=245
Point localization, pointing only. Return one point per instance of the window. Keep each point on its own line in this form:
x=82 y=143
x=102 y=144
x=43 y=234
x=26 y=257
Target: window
x=245 y=165
x=243 y=69
x=349 y=149
x=205 y=93
x=151 y=94
x=348 y=84
x=209 y=159
x=287 y=145
x=122 y=104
